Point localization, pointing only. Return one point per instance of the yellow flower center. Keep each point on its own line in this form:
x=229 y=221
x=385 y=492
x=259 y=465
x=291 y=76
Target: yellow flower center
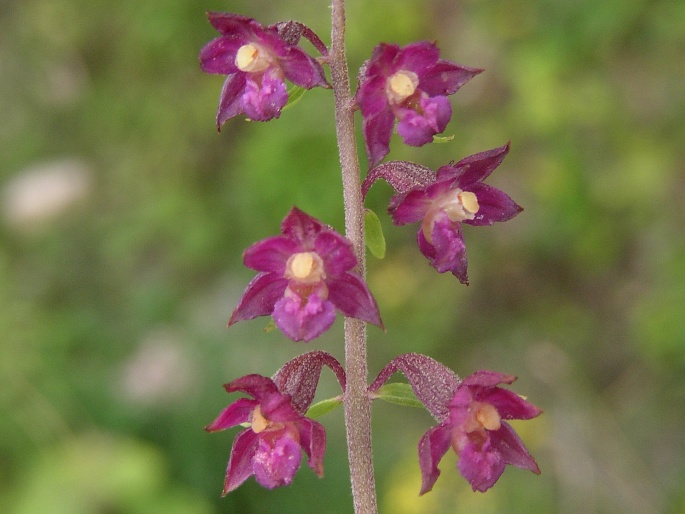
x=457 y=204
x=488 y=417
x=305 y=267
x=460 y=206
x=251 y=58
x=259 y=423
x=402 y=85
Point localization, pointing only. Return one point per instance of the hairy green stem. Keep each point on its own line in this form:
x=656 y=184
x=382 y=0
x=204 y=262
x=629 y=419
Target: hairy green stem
x=357 y=403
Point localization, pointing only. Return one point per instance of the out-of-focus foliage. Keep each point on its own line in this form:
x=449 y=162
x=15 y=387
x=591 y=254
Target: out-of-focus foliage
x=124 y=216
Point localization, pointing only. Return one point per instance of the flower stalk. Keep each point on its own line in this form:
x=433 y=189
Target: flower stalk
x=357 y=403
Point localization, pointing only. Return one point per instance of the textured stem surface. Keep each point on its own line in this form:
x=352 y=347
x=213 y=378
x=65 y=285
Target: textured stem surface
x=357 y=403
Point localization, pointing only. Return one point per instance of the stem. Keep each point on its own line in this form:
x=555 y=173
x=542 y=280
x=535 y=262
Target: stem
x=357 y=403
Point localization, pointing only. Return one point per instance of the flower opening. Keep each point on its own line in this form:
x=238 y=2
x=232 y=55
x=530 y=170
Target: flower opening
x=305 y=267
x=251 y=58
x=402 y=85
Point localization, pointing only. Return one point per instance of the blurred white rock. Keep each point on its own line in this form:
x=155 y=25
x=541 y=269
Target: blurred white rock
x=43 y=191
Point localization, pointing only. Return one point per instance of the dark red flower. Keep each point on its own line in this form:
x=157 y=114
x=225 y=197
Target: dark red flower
x=256 y=60
x=409 y=84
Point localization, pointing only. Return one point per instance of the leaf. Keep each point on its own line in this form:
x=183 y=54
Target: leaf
x=295 y=94
x=443 y=139
x=270 y=326
x=375 y=240
x=399 y=394
x=323 y=407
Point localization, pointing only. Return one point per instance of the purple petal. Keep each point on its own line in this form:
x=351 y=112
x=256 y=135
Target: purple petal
x=450 y=250
x=264 y=99
x=230 y=99
x=349 y=294
x=313 y=442
x=303 y=320
x=493 y=205
x=445 y=78
x=417 y=57
x=474 y=168
x=427 y=249
x=377 y=133
x=259 y=298
x=509 y=404
x=239 y=464
x=276 y=459
x=382 y=60
x=218 y=56
x=403 y=176
x=270 y=254
x=300 y=376
x=301 y=227
x=335 y=252
x=481 y=466
x=233 y=25
x=432 y=447
x=409 y=208
x=235 y=414
x=255 y=385
x=302 y=70
x=418 y=129
x=507 y=442
x=278 y=407
x=372 y=97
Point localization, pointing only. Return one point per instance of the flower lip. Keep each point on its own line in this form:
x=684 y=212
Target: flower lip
x=251 y=58
x=402 y=85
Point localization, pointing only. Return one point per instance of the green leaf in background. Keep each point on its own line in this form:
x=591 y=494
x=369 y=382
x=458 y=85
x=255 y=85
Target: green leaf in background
x=398 y=393
x=323 y=407
x=375 y=240
x=295 y=94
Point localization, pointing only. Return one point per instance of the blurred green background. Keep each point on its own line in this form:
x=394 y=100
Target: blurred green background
x=124 y=215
